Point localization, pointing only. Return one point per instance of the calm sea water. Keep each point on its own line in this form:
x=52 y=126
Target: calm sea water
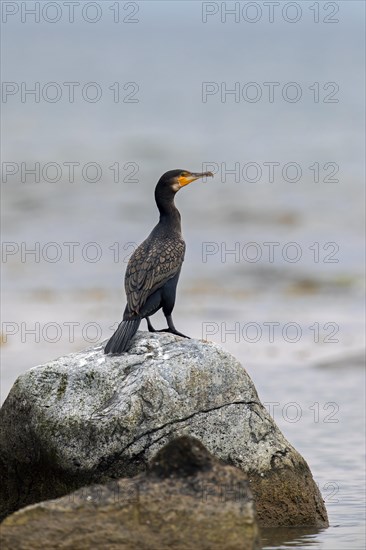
x=274 y=269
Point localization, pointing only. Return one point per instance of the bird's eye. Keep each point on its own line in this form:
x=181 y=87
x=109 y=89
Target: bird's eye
x=184 y=174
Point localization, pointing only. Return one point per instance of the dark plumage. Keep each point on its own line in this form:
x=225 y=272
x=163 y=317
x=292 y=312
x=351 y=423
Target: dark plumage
x=153 y=270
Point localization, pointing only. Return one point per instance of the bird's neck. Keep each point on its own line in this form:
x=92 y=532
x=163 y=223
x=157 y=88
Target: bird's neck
x=169 y=213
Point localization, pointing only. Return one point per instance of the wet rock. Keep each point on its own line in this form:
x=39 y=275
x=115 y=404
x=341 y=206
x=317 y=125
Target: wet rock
x=87 y=418
x=185 y=500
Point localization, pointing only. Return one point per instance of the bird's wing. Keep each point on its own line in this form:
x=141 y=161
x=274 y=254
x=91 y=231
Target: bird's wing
x=150 y=266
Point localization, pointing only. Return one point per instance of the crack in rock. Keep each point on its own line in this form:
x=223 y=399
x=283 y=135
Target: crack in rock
x=180 y=420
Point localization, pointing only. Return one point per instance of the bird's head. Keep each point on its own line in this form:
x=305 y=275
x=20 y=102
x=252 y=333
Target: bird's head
x=176 y=179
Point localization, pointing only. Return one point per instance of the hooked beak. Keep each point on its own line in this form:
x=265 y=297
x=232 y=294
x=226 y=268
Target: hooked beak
x=185 y=180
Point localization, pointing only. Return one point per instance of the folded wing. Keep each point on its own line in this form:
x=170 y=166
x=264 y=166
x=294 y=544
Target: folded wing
x=152 y=264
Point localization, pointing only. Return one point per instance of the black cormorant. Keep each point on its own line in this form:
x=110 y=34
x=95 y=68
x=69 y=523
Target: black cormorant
x=153 y=270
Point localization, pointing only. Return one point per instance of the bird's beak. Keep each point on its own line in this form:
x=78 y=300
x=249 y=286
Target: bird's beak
x=185 y=180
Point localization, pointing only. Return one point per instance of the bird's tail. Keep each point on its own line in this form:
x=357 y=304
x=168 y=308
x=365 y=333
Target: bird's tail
x=118 y=343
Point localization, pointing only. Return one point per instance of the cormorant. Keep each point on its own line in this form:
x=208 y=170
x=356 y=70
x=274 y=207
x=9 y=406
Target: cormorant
x=153 y=270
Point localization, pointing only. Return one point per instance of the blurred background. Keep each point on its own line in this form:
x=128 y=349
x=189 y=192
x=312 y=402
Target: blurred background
x=274 y=269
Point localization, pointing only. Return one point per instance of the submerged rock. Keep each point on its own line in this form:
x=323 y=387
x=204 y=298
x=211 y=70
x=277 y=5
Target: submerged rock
x=185 y=500
x=87 y=418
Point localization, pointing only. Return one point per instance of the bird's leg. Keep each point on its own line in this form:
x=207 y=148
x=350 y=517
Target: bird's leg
x=172 y=328
x=150 y=328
